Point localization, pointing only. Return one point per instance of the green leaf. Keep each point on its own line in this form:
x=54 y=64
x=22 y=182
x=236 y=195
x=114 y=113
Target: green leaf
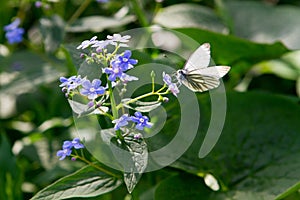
x=141 y=106
x=287 y=67
x=90 y=70
x=189 y=15
x=53 y=31
x=258 y=153
x=83 y=109
x=86 y=182
x=265 y=23
x=298 y=86
x=182 y=186
x=98 y=23
x=10 y=173
x=230 y=49
x=132 y=154
x=34 y=71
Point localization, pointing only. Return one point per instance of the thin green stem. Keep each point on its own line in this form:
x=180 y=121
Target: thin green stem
x=153 y=84
x=114 y=107
x=79 y=11
x=144 y=96
x=140 y=13
x=136 y=99
x=96 y=166
x=112 y=100
x=113 y=53
x=161 y=88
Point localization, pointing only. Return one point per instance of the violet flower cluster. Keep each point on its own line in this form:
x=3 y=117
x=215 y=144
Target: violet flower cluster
x=14 y=34
x=171 y=85
x=140 y=121
x=114 y=63
x=68 y=146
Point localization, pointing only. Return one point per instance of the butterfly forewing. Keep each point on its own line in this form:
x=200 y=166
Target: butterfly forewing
x=199 y=59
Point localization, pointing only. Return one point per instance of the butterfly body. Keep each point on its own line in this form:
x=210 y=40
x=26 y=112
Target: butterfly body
x=196 y=75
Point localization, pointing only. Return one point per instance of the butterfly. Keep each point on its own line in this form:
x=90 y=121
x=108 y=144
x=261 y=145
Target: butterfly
x=196 y=75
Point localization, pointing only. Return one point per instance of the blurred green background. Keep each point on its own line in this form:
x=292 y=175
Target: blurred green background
x=258 y=154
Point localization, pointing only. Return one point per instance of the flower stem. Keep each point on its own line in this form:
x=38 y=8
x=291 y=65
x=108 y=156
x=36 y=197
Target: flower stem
x=96 y=166
x=140 y=13
x=79 y=11
x=114 y=107
x=143 y=96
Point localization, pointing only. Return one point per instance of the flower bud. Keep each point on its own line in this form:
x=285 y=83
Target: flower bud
x=82 y=55
x=165 y=99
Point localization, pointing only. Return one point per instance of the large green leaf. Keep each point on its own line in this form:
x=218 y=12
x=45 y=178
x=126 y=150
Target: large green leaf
x=53 y=32
x=262 y=22
x=287 y=67
x=258 y=153
x=182 y=186
x=98 y=23
x=231 y=50
x=25 y=70
x=141 y=106
x=10 y=173
x=189 y=15
x=86 y=182
x=133 y=156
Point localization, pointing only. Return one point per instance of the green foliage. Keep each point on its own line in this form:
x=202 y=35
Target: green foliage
x=257 y=155
x=176 y=187
x=189 y=15
x=52 y=30
x=98 y=23
x=86 y=182
x=10 y=174
x=260 y=22
x=258 y=150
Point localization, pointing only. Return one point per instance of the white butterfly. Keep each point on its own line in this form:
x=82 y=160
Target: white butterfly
x=196 y=75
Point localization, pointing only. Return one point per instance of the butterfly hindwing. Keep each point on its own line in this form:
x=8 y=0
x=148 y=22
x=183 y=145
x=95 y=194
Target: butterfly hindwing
x=215 y=71
x=200 y=83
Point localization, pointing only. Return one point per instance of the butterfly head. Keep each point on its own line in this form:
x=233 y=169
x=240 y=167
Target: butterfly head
x=180 y=74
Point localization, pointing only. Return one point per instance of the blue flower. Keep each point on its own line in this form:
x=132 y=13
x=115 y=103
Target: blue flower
x=64 y=153
x=114 y=72
x=122 y=121
x=120 y=64
x=71 y=83
x=118 y=39
x=172 y=86
x=124 y=61
x=126 y=78
x=13 y=33
x=92 y=90
x=76 y=143
x=87 y=43
x=67 y=148
x=141 y=121
x=100 y=45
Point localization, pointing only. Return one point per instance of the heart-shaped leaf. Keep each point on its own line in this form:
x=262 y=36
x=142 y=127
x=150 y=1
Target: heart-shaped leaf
x=86 y=182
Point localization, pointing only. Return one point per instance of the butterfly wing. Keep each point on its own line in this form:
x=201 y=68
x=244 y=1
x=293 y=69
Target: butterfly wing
x=215 y=71
x=200 y=83
x=204 y=79
x=199 y=59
